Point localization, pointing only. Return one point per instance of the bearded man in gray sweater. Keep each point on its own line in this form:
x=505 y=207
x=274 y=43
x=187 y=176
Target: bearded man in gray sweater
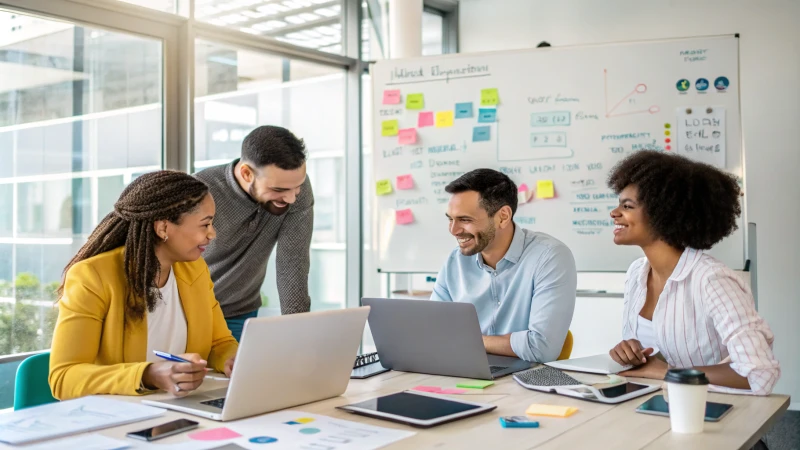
x=264 y=200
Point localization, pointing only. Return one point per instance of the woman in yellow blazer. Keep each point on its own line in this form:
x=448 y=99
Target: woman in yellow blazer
x=139 y=284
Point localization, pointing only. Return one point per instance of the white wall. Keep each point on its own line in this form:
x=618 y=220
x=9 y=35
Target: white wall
x=770 y=104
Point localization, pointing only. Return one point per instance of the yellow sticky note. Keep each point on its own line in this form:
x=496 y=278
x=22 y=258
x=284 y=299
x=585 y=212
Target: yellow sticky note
x=304 y=420
x=545 y=189
x=444 y=119
x=383 y=187
x=550 y=410
x=489 y=97
x=390 y=128
x=415 y=101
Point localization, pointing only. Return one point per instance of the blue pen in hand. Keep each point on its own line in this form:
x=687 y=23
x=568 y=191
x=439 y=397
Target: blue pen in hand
x=170 y=357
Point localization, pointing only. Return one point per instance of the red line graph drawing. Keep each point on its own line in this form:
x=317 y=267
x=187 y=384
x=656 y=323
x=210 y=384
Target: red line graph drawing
x=640 y=88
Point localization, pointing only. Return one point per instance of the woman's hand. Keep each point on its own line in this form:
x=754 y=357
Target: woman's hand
x=630 y=352
x=179 y=379
x=655 y=368
x=229 y=366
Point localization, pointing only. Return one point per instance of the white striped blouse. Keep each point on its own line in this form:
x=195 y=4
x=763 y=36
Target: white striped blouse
x=704 y=316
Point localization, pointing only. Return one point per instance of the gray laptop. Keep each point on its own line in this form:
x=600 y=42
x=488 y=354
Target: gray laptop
x=439 y=338
x=283 y=361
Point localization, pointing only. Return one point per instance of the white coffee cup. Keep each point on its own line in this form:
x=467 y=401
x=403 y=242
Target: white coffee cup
x=687 y=390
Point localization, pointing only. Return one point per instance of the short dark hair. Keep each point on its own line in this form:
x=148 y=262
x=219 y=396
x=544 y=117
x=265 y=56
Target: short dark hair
x=495 y=188
x=543 y=44
x=688 y=203
x=268 y=145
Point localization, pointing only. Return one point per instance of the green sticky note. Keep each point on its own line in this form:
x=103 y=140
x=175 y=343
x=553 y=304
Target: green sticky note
x=489 y=97
x=415 y=101
x=390 y=128
x=475 y=384
x=383 y=187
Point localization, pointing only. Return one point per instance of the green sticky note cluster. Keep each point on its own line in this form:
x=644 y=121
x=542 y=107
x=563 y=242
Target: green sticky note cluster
x=475 y=384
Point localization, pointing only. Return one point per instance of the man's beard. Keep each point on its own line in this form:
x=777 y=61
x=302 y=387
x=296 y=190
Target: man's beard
x=482 y=240
x=268 y=205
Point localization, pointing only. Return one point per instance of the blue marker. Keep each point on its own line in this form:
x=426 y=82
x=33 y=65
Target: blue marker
x=170 y=357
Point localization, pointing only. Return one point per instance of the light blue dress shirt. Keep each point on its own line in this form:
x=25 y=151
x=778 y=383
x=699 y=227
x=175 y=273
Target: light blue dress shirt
x=530 y=295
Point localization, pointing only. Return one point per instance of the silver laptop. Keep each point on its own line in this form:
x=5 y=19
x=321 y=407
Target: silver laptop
x=282 y=362
x=439 y=338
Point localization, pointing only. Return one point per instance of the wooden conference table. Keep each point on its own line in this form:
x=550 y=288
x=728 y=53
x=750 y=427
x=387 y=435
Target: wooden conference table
x=593 y=426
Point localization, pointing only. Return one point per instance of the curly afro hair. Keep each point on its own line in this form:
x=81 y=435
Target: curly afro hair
x=687 y=203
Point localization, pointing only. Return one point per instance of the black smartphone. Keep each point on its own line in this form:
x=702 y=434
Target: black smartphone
x=658 y=406
x=622 y=389
x=164 y=430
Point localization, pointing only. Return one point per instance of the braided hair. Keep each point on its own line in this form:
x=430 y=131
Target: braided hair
x=155 y=196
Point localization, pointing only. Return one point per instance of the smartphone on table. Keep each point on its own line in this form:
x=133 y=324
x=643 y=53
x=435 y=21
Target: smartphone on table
x=658 y=406
x=164 y=430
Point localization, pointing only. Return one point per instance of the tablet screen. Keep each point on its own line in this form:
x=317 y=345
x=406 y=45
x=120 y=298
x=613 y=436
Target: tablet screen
x=414 y=406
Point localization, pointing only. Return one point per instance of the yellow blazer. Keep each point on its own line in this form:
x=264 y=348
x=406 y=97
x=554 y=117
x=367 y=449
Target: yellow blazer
x=95 y=352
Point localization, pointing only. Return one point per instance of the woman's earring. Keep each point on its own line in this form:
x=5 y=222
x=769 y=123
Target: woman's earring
x=165 y=238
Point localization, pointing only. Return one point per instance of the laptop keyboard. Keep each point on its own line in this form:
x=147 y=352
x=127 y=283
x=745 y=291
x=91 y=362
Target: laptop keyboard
x=217 y=402
x=495 y=369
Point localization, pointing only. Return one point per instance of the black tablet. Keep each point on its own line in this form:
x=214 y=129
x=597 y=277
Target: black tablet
x=418 y=409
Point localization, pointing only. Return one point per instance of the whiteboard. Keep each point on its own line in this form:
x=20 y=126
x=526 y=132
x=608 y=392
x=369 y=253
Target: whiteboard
x=565 y=115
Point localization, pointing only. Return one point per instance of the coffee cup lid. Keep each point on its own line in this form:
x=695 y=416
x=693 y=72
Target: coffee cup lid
x=686 y=376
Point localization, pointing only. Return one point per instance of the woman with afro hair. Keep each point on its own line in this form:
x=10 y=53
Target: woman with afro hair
x=683 y=308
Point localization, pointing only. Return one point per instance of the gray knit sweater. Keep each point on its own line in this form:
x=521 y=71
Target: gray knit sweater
x=246 y=236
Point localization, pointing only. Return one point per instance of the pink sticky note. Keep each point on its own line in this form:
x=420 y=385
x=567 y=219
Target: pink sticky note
x=404 y=216
x=425 y=119
x=453 y=391
x=215 y=434
x=427 y=389
x=391 y=97
x=523 y=187
x=405 y=182
x=407 y=136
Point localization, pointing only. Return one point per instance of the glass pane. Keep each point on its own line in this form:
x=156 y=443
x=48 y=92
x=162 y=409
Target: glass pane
x=170 y=6
x=432 y=33
x=237 y=90
x=80 y=116
x=314 y=24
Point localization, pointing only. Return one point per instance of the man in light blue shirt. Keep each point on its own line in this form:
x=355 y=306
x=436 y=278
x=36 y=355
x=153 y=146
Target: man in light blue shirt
x=521 y=282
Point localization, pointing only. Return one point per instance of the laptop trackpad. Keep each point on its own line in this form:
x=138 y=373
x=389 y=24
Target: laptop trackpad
x=194 y=400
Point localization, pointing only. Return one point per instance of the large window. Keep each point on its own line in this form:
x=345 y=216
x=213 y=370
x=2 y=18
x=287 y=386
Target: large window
x=80 y=116
x=237 y=90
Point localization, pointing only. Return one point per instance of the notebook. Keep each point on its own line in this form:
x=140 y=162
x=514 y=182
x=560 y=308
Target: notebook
x=367 y=365
x=601 y=364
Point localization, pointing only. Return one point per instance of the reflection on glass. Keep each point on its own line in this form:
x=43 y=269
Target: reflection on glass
x=80 y=115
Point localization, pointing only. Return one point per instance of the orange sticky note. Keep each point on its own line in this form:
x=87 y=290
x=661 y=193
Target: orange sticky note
x=545 y=189
x=407 y=136
x=404 y=216
x=405 y=182
x=550 y=410
x=391 y=97
x=444 y=119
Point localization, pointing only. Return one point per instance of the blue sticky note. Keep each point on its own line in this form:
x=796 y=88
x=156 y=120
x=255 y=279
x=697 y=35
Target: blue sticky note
x=463 y=110
x=486 y=115
x=480 y=134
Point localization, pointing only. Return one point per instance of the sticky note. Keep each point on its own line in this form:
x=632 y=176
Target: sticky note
x=404 y=216
x=486 y=115
x=489 y=97
x=383 y=187
x=405 y=182
x=551 y=410
x=475 y=384
x=389 y=128
x=481 y=134
x=463 y=110
x=304 y=420
x=444 y=119
x=214 y=434
x=427 y=388
x=391 y=97
x=425 y=119
x=453 y=391
x=523 y=193
x=544 y=189
x=415 y=101
x=407 y=136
